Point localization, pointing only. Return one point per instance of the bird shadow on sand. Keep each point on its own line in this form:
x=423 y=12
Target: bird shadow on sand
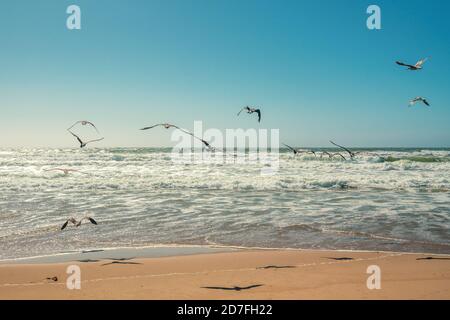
x=339 y=258
x=276 y=267
x=433 y=258
x=236 y=288
x=120 y=261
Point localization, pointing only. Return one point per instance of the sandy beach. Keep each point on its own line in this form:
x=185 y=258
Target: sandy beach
x=261 y=274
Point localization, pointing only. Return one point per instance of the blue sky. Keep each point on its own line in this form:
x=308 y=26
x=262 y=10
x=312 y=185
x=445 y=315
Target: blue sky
x=313 y=67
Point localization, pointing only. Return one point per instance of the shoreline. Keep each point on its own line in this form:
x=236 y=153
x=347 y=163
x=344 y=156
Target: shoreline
x=268 y=274
x=160 y=251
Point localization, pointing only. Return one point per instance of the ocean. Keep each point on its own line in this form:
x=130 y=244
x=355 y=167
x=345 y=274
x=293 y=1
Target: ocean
x=384 y=199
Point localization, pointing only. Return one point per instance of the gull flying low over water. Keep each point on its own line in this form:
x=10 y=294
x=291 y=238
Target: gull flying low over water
x=292 y=149
x=250 y=111
x=168 y=126
x=351 y=153
x=84 y=144
x=84 y=122
x=77 y=223
x=418 y=99
x=296 y=151
x=417 y=66
x=331 y=155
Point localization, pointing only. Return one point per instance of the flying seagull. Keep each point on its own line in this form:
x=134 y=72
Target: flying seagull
x=84 y=122
x=418 y=99
x=77 y=223
x=250 y=111
x=168 y=126
x=331 y=155
x=292 y=149
x=296 y=151
x=84 y=144
x=352 y=154
x=165 y=125
x=417 y=66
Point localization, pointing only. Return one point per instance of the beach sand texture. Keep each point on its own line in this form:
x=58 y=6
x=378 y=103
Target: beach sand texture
x=269 y=274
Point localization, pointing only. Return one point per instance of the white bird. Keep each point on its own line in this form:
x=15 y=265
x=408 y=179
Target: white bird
x=84 y=122
x=417 y=66
x=168 y=126
x=418 y=99
x=250 y=111
x=77 y=223
x=82 y=143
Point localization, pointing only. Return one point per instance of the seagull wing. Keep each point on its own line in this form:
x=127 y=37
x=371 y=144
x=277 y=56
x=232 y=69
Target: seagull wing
x=292 y=149
x=338 y=154
x=74 y=125
x=344 y=148
x=190 y=133
x=92 y=220
x=78 y=138
x=241 y=110
x=259 y=114
x=426 y=102
x=93 y=125
x=185 y=131
x=404 y=64
x=146 y=128
x=84 y=122
x=421 y=62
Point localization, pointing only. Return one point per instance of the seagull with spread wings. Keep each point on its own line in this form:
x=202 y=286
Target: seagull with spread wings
x=419 y=99
x=82 y=143
x=168 y=126
x=351 y=153
x=417 y=66
x=83 y=123
x=297 y=151
x=250 y=111
x=78 y=223
x=331 y=155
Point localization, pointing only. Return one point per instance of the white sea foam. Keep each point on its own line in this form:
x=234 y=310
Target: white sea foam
x=141 y=197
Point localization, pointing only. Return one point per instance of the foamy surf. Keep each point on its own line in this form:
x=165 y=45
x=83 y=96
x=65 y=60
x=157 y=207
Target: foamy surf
x=391 y=200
